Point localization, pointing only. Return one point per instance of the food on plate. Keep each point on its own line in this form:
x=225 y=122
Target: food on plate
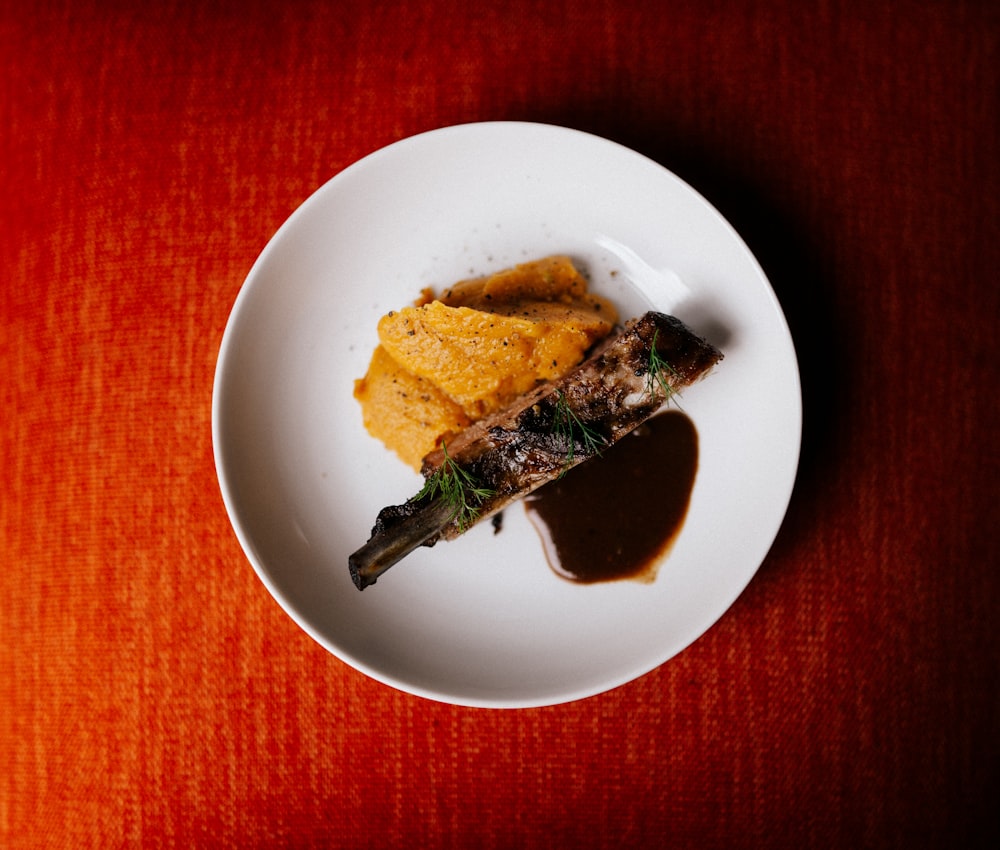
x=449 y=361
x=543 y=433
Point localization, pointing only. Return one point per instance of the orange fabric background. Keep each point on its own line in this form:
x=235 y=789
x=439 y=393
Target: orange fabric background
x=152 y=694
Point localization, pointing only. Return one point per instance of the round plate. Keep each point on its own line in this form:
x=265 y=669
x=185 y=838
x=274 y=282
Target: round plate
x=483 y=621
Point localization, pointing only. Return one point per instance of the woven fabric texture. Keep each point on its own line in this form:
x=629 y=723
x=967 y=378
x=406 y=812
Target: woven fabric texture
x=152 y=693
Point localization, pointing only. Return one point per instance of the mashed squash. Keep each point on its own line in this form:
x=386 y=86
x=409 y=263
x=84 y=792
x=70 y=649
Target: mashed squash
x=448 y=361
x=406 y=412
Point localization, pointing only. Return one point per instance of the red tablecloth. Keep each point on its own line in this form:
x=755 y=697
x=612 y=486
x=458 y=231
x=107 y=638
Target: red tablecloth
x=152 y=694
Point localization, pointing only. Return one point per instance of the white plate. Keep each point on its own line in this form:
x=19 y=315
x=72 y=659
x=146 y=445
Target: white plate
x=483 y=621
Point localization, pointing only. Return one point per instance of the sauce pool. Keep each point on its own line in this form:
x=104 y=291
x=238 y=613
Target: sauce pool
x=614 y=517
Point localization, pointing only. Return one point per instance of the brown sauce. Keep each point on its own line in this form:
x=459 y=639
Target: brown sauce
x=615 y=516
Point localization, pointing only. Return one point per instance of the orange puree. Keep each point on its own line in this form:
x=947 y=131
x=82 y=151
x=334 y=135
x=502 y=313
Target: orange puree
x=450 y=361
x=407 y=413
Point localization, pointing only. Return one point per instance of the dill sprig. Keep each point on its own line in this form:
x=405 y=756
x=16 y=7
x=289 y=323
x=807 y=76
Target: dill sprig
x=457 y=488
x=570 y=429
x=659 y=372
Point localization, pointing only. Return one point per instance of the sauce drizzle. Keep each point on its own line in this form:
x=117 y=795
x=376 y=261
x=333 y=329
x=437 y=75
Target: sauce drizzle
x=613 y=517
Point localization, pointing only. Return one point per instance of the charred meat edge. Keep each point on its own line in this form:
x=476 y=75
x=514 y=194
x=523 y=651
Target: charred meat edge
x=517 y=450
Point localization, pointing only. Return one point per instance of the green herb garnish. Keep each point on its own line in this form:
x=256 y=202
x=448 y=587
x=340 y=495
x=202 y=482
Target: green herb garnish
x=659 y=372
x=570 y=429
x=458 y=489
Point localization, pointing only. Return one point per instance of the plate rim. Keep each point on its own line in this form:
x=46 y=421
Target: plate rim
x=632 y=672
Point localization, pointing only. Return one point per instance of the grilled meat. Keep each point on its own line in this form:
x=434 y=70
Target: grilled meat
x=552 y=428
